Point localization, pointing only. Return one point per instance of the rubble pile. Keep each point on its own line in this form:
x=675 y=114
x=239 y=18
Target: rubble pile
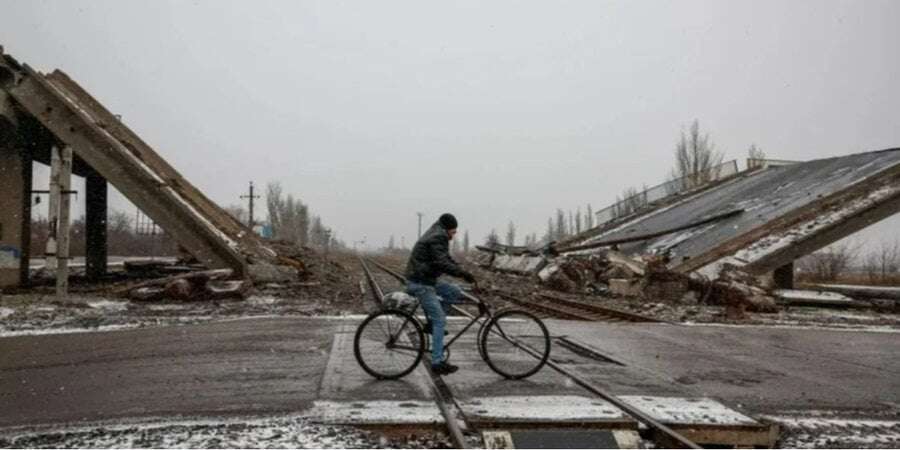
x=648 y=280
x=739 y=292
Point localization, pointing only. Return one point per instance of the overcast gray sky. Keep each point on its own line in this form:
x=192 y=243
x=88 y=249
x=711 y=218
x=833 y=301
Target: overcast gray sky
x=495 y=111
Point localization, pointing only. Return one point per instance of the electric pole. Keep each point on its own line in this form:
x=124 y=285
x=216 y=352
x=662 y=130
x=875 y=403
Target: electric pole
x=420 y=223
x=250 y=197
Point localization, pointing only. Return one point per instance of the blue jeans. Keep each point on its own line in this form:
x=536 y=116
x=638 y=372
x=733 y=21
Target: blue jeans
x=436 y=301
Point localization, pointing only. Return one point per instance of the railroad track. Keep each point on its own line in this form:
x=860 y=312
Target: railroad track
x=457 y=424
x=556 y=306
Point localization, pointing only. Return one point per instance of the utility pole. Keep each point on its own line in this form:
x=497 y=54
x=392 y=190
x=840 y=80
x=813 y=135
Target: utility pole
x=420 y=223
x=250 y=197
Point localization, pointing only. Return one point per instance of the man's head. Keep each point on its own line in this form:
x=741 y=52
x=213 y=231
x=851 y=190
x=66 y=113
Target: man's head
x=449 y=223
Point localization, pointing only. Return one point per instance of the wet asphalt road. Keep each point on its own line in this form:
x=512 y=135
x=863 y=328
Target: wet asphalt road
x=267 y=366
x=224 y=368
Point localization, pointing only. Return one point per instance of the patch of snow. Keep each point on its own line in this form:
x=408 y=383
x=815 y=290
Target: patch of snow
x=6 y=312
x=260 y=301
x=687 y=411
x=819 y=296
x=376 y=412
x=108 y=305
x=809 y=431
x=542 y=408
x=44 y=331
x=169 y=307
x=884 y=289
x=792 y=326
x=278 y=432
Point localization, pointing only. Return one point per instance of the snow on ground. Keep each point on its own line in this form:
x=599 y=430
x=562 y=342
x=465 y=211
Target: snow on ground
x=108 y=304
x=694 y=411
x=6 y=312
x=376 y=412
x=828 y=430
x=277 y=432
x=541 y=408
x=823 y=296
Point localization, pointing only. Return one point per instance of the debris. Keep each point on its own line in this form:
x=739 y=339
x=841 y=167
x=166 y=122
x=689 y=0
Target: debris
x=271 y=273
x=624 y=287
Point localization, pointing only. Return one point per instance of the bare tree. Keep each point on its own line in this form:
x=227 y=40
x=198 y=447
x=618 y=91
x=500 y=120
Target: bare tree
x=511 y=234
x=493 y=239
x=578 y=220
x=884 y=262
x=238 y=212
x=391 y=243
x=560 y=231
x=289 y=217
x=830 y=263
x=589 y=218
x=755 y=157
x=695 y=157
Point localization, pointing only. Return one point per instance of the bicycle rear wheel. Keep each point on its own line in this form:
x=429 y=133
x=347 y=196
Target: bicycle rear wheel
x=505 y=340
x=389 y=344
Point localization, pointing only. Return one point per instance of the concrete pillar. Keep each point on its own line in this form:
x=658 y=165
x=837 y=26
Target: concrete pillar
x=63 y=237
x=95 y=224
x=783 y=277
x=14 y=194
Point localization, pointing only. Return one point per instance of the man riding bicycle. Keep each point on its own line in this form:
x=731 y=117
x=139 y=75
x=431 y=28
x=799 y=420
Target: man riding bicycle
x=429 y=260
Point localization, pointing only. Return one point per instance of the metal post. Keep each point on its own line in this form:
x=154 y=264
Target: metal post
x=251 y=197
x=53 y=210
x=62 y=253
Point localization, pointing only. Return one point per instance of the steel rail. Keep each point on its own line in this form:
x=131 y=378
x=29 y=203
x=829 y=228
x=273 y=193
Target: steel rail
x=596 y=390
x=442 y=396
x=600 y=310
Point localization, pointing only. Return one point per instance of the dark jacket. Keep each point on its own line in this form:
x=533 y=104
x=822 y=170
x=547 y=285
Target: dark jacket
x=430 y=258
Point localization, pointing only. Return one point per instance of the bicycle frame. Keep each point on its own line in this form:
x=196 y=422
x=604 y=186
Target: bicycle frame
x=484 y=312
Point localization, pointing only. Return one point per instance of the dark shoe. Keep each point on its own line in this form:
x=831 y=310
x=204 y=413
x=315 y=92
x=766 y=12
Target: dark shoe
x=428 y=329
x=444 y=368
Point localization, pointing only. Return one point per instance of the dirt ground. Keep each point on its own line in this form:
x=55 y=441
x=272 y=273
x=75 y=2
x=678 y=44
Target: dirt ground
x=333 y=286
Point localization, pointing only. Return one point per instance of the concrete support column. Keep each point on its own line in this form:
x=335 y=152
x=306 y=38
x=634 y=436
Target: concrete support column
x=62 y=250
x=27 y=166
x=784 y=276
x=13 y=193
x=95 y=224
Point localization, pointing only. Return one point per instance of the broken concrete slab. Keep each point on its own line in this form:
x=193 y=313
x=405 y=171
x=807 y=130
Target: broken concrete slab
x=786 y=212
x=522 y=264
x=799 y=297
x=860 y=291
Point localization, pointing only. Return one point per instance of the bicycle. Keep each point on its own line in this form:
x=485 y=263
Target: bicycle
x=391 y=342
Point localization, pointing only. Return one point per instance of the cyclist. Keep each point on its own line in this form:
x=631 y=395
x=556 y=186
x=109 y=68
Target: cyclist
x=429 y=260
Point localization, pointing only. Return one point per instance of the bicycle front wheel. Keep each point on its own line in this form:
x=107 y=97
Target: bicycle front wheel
x=389 y=344
x=515 y=344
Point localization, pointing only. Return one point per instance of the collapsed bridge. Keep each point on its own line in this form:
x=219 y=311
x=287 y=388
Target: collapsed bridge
x=760 y=220
x=49 y=118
